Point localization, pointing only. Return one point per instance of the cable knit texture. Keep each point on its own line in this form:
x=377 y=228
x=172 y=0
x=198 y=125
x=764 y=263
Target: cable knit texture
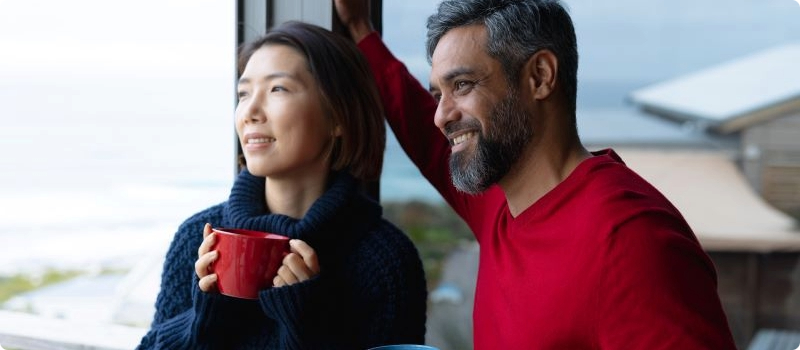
x=371 y=290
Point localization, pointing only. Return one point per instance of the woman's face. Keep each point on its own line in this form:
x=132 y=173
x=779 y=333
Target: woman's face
x=280 y=118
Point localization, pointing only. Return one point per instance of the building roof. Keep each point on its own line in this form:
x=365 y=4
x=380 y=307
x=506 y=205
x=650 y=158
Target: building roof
x=733 y=95
x=629 y=127
x=725 y=213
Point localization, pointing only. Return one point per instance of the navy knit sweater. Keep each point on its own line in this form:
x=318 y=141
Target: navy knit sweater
x=371 y=289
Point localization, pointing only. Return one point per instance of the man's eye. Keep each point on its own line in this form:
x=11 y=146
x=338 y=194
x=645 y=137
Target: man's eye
x=437 y=96
x=463 y=84
x=277 y=88
x=241 y=94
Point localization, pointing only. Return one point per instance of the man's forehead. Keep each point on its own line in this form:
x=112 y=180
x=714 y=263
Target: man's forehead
x=459 y=48
x=460 y=38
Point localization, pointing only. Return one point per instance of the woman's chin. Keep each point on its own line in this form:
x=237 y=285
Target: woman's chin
x=256 y=171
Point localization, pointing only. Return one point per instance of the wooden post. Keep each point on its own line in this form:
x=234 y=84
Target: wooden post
x=371 y=188
x=751 y=297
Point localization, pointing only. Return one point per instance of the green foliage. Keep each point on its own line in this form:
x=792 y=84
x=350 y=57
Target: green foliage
x=434 y=228
x=21 y=283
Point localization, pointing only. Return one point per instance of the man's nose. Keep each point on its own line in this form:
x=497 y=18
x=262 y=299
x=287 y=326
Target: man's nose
x=446 y=112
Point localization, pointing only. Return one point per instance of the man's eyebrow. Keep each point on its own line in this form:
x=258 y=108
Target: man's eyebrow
x=456 y=72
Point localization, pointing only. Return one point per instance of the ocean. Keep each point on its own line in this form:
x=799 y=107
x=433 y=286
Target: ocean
x=78 y=211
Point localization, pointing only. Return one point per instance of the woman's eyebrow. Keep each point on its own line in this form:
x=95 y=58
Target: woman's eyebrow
x=269 y=77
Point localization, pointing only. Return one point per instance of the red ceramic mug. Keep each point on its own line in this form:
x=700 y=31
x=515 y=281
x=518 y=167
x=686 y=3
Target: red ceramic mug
x=248 y=260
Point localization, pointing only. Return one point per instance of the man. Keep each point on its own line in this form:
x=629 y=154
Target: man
x=577 y=251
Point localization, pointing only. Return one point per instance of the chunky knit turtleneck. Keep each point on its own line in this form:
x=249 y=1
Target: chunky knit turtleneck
x=371 y=289
x=246 y=207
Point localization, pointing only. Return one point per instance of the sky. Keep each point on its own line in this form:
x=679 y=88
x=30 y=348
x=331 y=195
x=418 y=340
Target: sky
x=148 y=38
x=93 y=90
x=628 y=44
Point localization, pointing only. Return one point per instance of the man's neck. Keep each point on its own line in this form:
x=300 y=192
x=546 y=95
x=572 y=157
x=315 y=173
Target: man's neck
x=539 y=170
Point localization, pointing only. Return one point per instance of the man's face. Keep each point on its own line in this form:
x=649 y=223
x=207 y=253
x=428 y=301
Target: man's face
x=479 y=112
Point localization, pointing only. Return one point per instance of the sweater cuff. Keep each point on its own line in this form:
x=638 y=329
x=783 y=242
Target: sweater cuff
x=187 y=329
x=290 y=307
x=219 y=314
x=207 y=309
x=287 y=304
x=175 y=333
x=209 y=322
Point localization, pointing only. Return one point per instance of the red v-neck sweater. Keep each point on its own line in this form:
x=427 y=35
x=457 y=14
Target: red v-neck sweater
x=602 y=261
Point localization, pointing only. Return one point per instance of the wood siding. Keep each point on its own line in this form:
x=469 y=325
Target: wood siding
x=771 y=162
x=758 y=291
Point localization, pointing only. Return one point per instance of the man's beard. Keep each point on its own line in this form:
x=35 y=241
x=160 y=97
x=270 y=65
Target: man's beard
x=507 y=133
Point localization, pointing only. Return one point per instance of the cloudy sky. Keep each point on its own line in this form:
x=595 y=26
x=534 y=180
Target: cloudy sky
x=94 y=90
x=120 y=38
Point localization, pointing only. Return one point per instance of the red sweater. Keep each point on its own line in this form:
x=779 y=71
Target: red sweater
x=602 y=261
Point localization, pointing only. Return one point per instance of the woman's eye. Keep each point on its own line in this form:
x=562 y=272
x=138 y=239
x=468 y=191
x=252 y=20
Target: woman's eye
x=277 y=88
x=241 y=94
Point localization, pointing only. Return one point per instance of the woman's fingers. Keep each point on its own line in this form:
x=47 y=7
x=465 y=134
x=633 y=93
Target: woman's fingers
x=278 y=282
x=208 y=283
x=286 y=274
x=206 y=230
x=307 y=253
x=209 y=238
x=201 y=266
x=297 y=266
x=205 y=257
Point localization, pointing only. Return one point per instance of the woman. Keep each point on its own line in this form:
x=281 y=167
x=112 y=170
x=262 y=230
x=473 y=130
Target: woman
x=310 y=125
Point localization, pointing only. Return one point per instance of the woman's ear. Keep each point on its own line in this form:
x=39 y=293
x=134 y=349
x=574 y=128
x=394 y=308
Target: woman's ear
x=541 y=71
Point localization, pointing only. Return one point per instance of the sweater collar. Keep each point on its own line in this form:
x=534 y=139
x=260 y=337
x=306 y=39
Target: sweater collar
x=247 y=209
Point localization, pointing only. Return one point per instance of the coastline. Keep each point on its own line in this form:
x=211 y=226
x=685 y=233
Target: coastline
x=107 y=281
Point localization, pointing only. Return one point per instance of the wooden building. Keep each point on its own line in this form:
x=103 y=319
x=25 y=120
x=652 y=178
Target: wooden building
x=743 y=206
x=756 y=98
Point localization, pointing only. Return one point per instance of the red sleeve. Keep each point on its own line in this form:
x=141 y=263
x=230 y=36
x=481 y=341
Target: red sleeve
x=410 y=109
x=659 y=289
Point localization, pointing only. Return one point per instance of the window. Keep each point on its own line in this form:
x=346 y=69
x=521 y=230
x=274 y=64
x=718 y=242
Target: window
x=116 y=126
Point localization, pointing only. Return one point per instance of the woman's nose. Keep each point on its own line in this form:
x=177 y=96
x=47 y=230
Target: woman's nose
x=256 y=110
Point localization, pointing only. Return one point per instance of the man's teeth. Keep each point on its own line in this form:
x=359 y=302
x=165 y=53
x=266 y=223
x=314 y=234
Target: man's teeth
x=261 y=140
x=462 y=138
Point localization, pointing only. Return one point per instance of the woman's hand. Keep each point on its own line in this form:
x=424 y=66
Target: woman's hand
x=299 y=265
x=208 y=280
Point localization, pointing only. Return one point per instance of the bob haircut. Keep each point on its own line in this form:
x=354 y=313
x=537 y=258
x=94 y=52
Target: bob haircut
x=350 y=96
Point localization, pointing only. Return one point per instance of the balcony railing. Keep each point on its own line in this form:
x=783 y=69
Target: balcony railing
x=31 y=332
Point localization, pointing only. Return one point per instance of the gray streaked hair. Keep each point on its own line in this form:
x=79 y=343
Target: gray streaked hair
x=516 y=30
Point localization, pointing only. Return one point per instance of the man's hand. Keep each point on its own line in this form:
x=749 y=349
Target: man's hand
x=354 y=14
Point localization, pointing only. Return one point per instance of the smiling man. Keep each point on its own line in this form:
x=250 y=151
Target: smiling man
x=576 y=250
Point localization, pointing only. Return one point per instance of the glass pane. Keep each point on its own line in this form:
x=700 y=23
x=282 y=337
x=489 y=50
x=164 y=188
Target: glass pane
x=116 y=126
